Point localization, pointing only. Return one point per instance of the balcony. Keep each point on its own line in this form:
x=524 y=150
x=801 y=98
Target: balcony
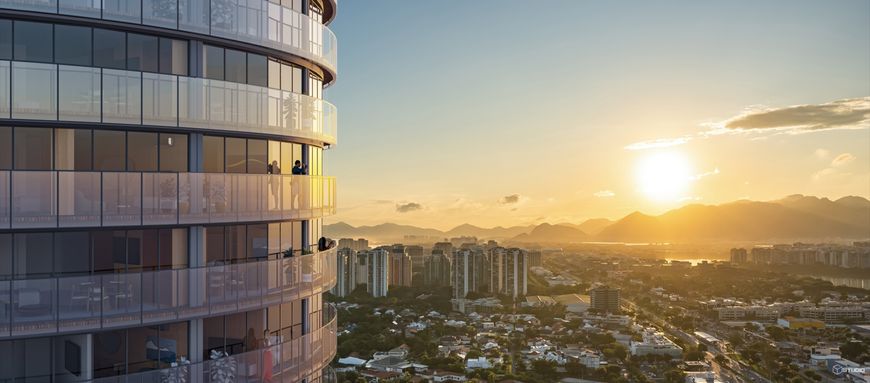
x=67 y=199
x=257 y=22
x=50 y=306
x=52 y=92
x=288 y=361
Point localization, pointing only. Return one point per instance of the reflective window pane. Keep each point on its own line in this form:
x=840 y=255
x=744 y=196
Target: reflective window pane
x=5 y=256
x=213 y=154
x=257 y=70
x=235 y=155
x=109 y=249
x=33 y=41
x=236 y=243
x=274 y=75
x=32 y=148
x=275 y=166
x=173 y=249
x=110 y=49
x=32 y=257
x=5 y=39
x=142 y=248
x=173 y=56
x=141 y=151
x=257 y=157
x=258 y=245
x=213 y=62
x=142 y=52
x=173 y=152
x=5 y=147
x=212 y=336
x=236 y=66
x=72 y=45
x=110 y=152
x=72 y=148
x=72 y=252
x=110 y=353
x=286 y=77
x=215 y=243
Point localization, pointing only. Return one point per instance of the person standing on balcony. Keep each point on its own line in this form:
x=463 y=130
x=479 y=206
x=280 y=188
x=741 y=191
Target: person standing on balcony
x=299 y=187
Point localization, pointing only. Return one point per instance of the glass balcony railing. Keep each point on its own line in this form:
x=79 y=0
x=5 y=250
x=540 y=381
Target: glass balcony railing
x=52 y=199
x=257 y=22
x=297 y=360
x=49 y=306
x=37 y=91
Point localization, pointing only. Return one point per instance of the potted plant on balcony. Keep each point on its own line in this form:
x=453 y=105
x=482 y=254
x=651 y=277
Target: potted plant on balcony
x=223 y=368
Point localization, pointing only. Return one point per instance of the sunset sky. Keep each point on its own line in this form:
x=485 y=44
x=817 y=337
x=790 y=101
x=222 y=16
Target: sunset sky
x=508 y=112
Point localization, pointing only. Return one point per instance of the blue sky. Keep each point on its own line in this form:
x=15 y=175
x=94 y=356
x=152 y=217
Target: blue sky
x=455 y=105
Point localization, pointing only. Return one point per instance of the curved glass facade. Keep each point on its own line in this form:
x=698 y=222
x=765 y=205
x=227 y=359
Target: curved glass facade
x=53 y=92
x=161 y=172
x=257 y=22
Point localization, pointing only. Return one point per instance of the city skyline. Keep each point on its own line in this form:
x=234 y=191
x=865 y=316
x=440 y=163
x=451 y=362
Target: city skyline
x=525 y=116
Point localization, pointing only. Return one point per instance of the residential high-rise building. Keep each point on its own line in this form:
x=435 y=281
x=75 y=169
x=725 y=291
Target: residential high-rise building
x=535 y=259
x=346 y=272
x=436 y=271
x=604 y=299
x=377 y=271
x=147 y=189
x=415 y=252
x=360 y=244
x=467 y=274
x=401 y=268
x=739 y=255
x=509 y=271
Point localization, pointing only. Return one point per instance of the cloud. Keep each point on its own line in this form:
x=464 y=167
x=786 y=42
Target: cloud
x=843 y=159
x=850 y=113
x=658 y=143
x=604 y=194
x=706 y=174
x=408 y=207
x=821 y=153
x=509 y=199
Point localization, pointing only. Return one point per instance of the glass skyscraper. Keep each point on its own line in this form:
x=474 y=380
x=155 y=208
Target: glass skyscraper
x=162 y=188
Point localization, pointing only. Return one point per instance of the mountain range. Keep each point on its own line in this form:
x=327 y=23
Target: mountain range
x=796 y=217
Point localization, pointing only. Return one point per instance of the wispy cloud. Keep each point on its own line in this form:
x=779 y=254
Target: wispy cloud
x=843 y=159
x=850 y=113
x=821 y=153
x=509 y=199
x=408 y=207
x=604 y=194
x=658 y=143
x=706 y=174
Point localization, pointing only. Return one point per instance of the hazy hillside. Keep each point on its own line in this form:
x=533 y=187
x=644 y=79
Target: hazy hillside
x=795 y=217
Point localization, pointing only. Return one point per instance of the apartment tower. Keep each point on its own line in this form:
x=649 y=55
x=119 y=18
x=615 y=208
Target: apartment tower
x=154 y=225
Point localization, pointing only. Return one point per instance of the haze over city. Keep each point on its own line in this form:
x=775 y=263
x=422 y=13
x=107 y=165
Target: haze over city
x=514 y=113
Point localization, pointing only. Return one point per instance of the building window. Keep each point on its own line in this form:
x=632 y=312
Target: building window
x=257 y=157
x=72 y=149
x=5 y=39
x=257 y=70
x=5 y=147
x=213 y=154
x=173 y=56
x=173 y=152
x=141 y=151
x=142 y=52
x=72 y=253
x=236 y=155
x=213 y=62
x=32 y=148
x=72 y=45
x=33 y=41
x=32 y=255
x=236 y=66
x=110 y=49
x=110 y=150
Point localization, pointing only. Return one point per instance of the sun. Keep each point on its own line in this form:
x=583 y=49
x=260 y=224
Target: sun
x=664 y=176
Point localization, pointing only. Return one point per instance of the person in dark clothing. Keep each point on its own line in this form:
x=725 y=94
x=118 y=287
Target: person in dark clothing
x=299 y=168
